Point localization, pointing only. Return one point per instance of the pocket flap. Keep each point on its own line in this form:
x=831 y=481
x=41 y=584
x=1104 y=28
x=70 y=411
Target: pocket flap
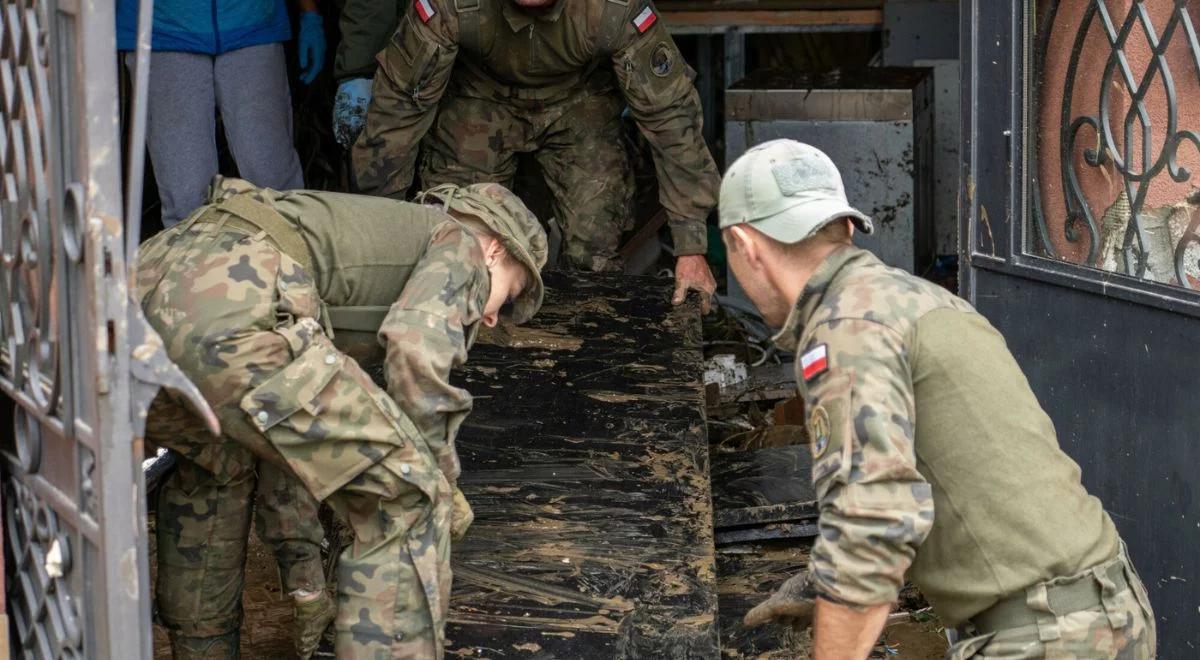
x=296 y=386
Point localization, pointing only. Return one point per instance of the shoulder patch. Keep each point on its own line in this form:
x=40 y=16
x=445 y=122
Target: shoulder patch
x=425 y=10
x=815 y=362
x=818 y=431
x=645 y=20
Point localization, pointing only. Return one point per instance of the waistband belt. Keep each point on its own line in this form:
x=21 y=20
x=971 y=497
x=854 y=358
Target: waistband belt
x=1014 y=611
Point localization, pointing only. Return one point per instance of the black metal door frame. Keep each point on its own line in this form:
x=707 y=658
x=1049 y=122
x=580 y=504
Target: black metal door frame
x=1114 y=359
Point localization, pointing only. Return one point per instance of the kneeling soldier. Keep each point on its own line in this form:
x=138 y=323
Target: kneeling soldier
x=931 y=455
x=242 y=293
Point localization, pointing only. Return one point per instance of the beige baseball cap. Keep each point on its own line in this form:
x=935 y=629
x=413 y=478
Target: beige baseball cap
x=788 y=190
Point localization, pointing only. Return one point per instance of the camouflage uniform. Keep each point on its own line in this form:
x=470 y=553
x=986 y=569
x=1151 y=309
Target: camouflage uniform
x=916 y=407
x=239 y=293
x=482 y=81
x=202 y=523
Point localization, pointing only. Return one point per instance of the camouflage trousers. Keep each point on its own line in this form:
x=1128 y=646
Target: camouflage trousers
x=579 y=145
x=203 y=520
x=1120 y=626
x=239 y=317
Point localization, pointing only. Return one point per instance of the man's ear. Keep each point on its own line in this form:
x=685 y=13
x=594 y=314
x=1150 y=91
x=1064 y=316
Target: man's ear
x=493 y=252
x=743 y=240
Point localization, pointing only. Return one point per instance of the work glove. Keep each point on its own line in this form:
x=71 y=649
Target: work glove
x=312 y=618
x=311 y=46
x=692 y=274
x=791 y=605
x=462 y=516
x=350 y=110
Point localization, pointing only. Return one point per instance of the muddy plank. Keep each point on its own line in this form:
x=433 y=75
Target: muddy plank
x=586 y=462
x=762 y=477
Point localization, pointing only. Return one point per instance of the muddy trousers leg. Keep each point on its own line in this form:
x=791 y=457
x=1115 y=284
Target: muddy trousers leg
x=286 y=517
x=584 y=160
x=384 y=610
x=201 y=527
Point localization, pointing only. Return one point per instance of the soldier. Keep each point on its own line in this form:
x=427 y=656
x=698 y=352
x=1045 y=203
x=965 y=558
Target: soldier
x=244 y=293
x=931 y=455
x=484 y=80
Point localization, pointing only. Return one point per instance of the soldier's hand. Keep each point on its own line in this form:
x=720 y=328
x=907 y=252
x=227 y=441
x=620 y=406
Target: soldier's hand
x=462 y=516
x=350 y=110
x=692 y=274
x=791 y=605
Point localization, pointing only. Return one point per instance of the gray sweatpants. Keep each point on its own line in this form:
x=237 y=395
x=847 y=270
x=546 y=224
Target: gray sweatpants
x=249 y=87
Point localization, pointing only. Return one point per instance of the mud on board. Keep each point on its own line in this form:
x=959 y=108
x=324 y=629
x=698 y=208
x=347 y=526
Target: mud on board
x=586 y=462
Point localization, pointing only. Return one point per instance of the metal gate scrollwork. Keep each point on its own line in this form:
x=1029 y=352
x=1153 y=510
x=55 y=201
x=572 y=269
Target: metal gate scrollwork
x=1136 y=133
x=78 y=365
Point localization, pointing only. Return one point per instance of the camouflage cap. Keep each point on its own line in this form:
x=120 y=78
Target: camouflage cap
x=516 y=226
x=788 y=190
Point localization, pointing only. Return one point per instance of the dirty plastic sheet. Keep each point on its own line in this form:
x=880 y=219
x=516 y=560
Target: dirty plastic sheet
x=586 y=462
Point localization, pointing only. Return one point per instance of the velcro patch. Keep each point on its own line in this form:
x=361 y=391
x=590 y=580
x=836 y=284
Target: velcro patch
x=645 y=20
x=815 y=362
x=425 y=10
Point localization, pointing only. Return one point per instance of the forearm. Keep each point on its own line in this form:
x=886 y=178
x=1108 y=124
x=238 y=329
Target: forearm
x=366 y=27
x=841 y=632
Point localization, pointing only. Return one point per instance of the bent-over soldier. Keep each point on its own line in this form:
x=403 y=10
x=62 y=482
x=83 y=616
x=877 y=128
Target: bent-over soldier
x=484 y=80
x=931 y=455
x=244 y=294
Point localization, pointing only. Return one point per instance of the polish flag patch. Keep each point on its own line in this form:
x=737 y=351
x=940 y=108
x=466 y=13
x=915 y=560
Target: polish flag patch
x=425 y=10
x=815 y=362
x=645 y=20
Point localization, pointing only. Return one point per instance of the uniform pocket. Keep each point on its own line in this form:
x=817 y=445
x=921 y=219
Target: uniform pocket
x=296 y=387
x=831 y=434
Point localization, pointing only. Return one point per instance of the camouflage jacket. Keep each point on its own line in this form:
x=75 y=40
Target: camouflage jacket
x=538 y=62
x=420 y=262
x=916 y=407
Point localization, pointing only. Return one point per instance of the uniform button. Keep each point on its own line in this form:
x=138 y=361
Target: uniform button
x=405 y=468
x=399 y=637
x=330 y=359
x=282 y=285
x=263 y=416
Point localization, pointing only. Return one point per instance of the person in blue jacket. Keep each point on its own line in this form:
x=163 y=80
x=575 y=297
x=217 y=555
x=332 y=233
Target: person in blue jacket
x=227 y=56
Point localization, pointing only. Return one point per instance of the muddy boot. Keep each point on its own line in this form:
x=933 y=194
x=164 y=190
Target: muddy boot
x=312 y=619
x=220 y=647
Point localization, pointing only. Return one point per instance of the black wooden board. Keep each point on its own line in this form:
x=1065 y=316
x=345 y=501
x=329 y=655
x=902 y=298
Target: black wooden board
x=762 y=477
x=586 y=462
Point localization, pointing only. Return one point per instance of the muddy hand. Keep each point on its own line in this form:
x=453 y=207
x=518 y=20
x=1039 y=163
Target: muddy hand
x=791 y=605
x=692 y=274
x=462 y=516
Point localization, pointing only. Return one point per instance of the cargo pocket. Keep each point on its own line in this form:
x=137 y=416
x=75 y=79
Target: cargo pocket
x=292 y=409
x=412 y=62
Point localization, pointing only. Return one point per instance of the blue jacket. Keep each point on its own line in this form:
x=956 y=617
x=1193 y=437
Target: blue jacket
x=206 y=26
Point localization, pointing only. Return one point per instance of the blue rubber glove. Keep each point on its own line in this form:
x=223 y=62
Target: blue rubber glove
x=311 y=46
x=350 y=110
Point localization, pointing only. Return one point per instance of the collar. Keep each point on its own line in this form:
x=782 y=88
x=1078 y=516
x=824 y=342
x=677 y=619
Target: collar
x=519 y=20
x=814 y=292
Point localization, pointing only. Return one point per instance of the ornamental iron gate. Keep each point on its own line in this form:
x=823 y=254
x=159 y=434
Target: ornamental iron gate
x=78 y=365
x=1080 y=215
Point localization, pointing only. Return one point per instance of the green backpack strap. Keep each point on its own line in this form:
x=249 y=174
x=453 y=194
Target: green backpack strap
x=469 y=39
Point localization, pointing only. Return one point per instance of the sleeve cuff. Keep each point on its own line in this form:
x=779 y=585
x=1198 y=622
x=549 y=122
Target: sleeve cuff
x=690 y=237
